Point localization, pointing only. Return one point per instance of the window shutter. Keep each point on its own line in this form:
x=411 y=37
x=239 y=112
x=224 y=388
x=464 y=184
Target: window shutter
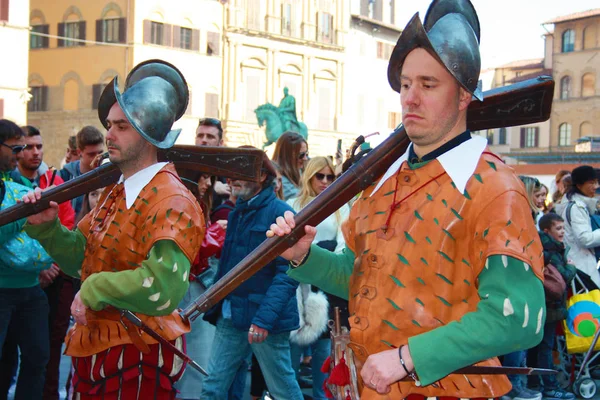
x=392 y=12
x=331 y=31
x=364 y=8
x=167 y=35
x=211 y=105
x=45 y=39
x=82 y=32
x=523 y=130
x=1 y=108
x=147 y=31
x=378 y=10
x=99 y=30
x=96 y=92
x=61 y=33
x=44 y=98
x=122 y=30
x=195 y=39
x=176 y=36
x=3 y=10
x=537 y=136
x=318 y=34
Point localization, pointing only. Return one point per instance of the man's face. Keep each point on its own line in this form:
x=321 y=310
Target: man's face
x=8 y=160
x=431 y=99
x=32 y=154
x=208 y=136
x=246 y=190
x=89 y=153
x=557 y=232
x=124 y=143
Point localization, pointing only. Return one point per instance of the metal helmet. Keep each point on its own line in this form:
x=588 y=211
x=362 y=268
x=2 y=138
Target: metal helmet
x=155 y=96
x=451 y=35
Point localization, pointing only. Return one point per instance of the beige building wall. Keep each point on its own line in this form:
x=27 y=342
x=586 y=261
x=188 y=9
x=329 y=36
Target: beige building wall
x=69 y=74
x=576 y=108
x=14 y=36
x=266 y=50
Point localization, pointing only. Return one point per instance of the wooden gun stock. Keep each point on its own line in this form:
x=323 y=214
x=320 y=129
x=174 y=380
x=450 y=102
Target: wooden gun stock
x=244 y=164
x=523 y=103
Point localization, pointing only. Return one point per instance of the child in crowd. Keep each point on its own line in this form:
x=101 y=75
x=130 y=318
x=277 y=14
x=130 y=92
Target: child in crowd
x=552 y=231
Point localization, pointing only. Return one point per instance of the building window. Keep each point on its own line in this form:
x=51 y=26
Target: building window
x=394 y=119
x=252 y=97
x=384 y=50
x=185 y=38
x=97 y=90
x=110 y=30
x=325 y=120
x=325 y=28
x=213 y=43
x=72 y=32
x=38 y=41
x=253 y=15
x=490 y=136
x=156 y=32
x=530 y=137
x=589 y=37
x=564 y=135
x=565 y=88
x=585 y=129
x=211 y=105
x=286 y=19
x=38 y=100
x=502 y=136
x=588 y=85
x=568 y=41
x=4 y=10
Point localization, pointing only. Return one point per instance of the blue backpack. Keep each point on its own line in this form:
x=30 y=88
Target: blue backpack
x=594 y=223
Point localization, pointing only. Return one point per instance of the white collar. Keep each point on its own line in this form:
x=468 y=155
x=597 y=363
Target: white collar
x=136 y=182
x=459 y=162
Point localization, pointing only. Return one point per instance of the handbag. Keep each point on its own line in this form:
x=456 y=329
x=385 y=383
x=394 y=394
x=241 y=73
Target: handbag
x=554 y=284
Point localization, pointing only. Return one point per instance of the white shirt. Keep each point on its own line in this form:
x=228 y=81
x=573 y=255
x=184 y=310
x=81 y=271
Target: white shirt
x=136 y=182
x=459 y=162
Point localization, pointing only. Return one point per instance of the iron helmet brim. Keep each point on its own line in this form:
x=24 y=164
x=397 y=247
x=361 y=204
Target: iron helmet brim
x=451 y=40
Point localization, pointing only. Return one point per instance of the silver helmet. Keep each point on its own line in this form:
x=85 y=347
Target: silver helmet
x=451 y=35
x=155 y=96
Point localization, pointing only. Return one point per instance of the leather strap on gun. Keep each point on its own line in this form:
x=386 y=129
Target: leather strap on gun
x=523 y=103
x=244 y=164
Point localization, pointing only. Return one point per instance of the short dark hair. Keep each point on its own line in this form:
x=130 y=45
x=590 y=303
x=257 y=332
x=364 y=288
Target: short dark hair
x=548 y=220
x=212 y=122
x=72 y=142
x=9 y=130
x=89 y=136
x=30 y=131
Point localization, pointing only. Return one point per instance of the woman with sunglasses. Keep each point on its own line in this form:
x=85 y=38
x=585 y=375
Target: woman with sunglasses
x=317 y=177
x=291 y=154
x=532 y=187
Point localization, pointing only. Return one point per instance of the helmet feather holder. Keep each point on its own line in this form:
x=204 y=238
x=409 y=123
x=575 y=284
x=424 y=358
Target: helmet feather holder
x=451 y=35
x=155 y=96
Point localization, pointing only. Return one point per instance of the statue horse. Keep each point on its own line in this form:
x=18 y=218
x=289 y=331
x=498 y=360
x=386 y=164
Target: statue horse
x=268 y=114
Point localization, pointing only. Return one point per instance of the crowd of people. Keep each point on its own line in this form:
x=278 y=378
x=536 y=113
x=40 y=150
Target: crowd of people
x=437 y=265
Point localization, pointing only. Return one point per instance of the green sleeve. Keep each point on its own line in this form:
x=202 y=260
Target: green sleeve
x=328 y=271
x=64 y=246
x=156 y=288
x=9 y=231
x=509 y=317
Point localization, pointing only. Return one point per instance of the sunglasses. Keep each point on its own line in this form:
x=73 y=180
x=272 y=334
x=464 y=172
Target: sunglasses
x=303 y=155
x=320 y=177
x=16 y=149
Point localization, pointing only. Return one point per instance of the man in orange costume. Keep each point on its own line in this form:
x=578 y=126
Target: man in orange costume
x=134 y=249
x=443 y=265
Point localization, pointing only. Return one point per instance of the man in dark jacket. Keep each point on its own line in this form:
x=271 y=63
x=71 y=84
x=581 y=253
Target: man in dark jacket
x=259 y=315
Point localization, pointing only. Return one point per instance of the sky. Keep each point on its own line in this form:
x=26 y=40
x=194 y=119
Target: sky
x=510 y=29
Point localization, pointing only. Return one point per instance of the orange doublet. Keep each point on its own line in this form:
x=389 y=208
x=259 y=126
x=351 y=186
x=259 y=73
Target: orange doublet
x=421 y=273
x=119 y=239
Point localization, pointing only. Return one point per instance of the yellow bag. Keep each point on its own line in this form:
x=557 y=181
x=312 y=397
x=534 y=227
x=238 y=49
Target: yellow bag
x=582 y=321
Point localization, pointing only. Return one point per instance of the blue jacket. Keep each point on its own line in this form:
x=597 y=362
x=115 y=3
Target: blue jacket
x=268 y=298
